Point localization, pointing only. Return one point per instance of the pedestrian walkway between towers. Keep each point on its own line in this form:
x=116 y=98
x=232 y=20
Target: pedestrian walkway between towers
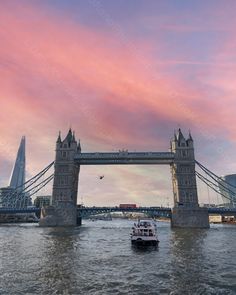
x=124 y=157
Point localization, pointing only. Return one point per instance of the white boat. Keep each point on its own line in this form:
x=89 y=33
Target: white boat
x=144 y=233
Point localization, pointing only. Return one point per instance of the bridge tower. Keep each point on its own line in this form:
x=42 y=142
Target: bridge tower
x=63 y=210
x=186 y=211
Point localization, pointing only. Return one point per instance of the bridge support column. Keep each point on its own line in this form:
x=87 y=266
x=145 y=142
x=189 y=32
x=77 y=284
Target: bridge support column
x=190 y=217
x=61 y=215
x=63 y=211
x=186 y=211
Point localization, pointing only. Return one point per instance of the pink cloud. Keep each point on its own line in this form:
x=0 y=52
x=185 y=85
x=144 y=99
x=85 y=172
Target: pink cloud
x=56 y=73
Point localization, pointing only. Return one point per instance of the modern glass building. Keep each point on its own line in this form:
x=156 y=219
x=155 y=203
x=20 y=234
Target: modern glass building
x=17 y=179
x=228 y=190
x=12 y=196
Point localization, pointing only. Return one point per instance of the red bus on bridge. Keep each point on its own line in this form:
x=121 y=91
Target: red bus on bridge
x=129 y=206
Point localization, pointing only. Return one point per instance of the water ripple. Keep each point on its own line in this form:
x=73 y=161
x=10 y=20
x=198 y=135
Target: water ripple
x=98 y=259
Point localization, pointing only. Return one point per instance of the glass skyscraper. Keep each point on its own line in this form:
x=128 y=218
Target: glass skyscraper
x=9 y=196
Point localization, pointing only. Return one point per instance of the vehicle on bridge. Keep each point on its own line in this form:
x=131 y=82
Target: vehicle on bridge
x=127 y=206
x=144 y=233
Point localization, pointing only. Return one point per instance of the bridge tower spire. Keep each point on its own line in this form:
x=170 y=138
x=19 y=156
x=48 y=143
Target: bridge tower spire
x=186 y=211
x=63 y=211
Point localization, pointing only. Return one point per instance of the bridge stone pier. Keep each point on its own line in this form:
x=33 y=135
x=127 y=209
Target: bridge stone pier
x=63 y=210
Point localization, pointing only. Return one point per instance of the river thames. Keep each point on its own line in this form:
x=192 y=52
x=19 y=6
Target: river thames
x=98 y=258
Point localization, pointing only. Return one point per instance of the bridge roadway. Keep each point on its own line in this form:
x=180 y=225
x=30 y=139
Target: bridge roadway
x=23 y=210
x=86 y=211
x=157 y=211
x=222 y=211
x=124 y=157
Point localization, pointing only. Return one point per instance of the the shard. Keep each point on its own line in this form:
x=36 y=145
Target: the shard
x=18 y=173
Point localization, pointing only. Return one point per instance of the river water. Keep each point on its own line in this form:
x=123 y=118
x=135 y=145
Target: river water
x=98 y=258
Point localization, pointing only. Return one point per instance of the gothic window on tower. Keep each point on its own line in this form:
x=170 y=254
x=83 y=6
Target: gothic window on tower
x=190 y=196
x=64 y=154
x=183 y=197
x=63 y=168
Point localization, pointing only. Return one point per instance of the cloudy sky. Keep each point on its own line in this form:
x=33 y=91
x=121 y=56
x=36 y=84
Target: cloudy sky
x=122 y=74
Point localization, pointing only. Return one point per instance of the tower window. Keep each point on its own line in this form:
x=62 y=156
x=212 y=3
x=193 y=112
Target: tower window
x=184 y=153
x=63 y=168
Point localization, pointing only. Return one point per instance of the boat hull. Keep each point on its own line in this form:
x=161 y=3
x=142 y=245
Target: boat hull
x=141 y=242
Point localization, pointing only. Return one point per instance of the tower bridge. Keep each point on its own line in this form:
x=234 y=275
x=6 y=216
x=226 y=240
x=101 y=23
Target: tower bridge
x=69 y=158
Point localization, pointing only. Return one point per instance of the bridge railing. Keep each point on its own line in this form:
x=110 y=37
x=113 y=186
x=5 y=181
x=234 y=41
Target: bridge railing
x=89 y=211
x=221 y=210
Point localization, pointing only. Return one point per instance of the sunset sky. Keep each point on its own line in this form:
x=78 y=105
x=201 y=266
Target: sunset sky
x=123 y=75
